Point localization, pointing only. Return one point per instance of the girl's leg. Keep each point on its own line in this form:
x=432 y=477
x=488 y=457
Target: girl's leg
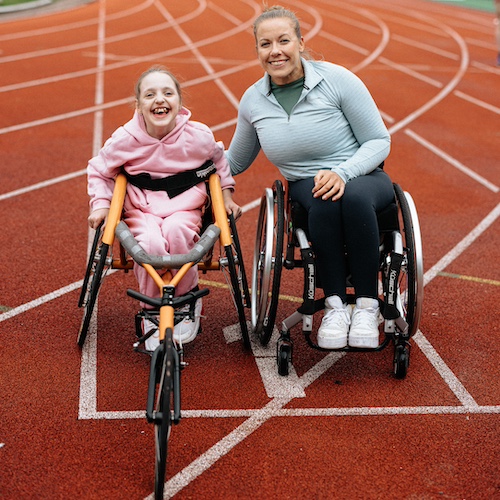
x=180 y=233
x=146 y=229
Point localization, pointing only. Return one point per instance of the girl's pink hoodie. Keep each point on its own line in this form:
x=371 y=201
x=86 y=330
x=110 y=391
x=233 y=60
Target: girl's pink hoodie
x=187 y=147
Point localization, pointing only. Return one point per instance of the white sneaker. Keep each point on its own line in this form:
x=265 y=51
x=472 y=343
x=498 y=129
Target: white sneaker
x=332 y=333
x=151 y=343
x=364 y=326
x=187 y=329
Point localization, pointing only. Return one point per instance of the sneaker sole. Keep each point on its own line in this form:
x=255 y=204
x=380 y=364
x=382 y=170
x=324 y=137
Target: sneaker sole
x=369 y=343
x=332 y=343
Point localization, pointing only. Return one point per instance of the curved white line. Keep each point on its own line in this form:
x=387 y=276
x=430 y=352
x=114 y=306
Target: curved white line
x=112 y=39
x=76 y=25
x=464 y=62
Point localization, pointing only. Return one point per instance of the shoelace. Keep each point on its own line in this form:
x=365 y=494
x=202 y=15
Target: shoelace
x=337 y=317
x=366 y=315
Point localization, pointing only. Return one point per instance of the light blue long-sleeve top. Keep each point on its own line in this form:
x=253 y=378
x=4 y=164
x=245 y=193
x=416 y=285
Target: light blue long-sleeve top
x=335 y=125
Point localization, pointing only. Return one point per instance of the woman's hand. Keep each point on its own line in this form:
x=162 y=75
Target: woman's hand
x=230 y=205
x=328 y=185
x=97 y=216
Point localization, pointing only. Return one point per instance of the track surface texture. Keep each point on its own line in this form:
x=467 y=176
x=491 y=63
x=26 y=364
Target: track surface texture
x=72 y=422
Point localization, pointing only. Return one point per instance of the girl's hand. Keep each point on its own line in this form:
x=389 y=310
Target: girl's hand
x=97 y=216
x=231 y=206
x=328 y=185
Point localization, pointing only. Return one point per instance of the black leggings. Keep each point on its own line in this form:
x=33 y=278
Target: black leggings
x=347 y=225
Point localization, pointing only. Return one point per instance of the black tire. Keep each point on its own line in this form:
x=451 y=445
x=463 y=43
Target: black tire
x=401 y=361
x=94 y=282
x=268 y=262
x=236 y=275
x=284 y=359
x=245 y=291
x=163 y=412
x=90 y=264
x=411 y=276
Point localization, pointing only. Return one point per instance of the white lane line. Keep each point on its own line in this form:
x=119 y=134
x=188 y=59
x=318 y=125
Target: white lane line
x=458 y=249
x=201 y=59
x=41 y=185
x=444 y=371
x=87 y=407
x=72 y=26
x=148 y=58
x=449 y=87
x=452 y=161
x=340 y=411
x=477 y=102
x=227 y=443
x=40 y=301
x=99 y=84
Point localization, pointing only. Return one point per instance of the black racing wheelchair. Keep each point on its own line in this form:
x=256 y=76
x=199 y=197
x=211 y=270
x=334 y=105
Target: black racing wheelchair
x=400 y=275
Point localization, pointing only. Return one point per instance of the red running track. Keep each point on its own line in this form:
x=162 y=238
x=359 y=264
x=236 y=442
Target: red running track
x=72 y=423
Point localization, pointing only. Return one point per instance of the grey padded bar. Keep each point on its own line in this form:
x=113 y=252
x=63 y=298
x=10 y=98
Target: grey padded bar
x=132 y=247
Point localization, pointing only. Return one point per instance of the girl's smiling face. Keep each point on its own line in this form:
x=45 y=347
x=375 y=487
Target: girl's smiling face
x=159 y=103
x=279 y=50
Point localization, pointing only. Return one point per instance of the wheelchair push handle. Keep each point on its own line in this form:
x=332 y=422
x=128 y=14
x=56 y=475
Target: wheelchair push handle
x=132 y=247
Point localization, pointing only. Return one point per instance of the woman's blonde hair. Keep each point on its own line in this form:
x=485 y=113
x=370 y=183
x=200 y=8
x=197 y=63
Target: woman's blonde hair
x=278 y=12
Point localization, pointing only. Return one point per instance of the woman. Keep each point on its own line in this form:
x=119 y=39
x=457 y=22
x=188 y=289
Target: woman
x=319 y=125
x=159 y=142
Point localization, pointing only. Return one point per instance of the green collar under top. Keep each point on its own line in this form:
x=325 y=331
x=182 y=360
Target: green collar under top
x=288 y=95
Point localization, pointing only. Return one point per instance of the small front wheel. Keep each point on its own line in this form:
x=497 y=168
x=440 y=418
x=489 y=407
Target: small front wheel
x=163 y=411
x=284 y=357
x=401 y=360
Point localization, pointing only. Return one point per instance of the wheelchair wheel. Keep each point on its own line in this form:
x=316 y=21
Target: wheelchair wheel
x=284 y=356
x=238 y=280
x=163 y=411
x=401 y=360
x=411 y=283
x=96 y=270
x=90 y=263
x=268 y=262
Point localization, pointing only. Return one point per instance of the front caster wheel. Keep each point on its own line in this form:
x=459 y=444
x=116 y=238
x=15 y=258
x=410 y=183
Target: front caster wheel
x=401 y=360
x=284 y=357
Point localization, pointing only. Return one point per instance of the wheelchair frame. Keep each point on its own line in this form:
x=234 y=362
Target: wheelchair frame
x=163 y=406
x=400 y=276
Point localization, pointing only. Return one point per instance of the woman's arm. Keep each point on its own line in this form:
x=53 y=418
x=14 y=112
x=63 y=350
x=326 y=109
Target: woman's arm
x=245 y=145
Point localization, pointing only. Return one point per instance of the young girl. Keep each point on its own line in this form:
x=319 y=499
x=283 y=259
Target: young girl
x=160 y=140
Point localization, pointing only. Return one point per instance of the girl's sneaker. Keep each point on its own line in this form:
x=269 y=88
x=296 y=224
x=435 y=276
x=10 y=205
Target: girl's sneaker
x=151 y=343
x=186 y=330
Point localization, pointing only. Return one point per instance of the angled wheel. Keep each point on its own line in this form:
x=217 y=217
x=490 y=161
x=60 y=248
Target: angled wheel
x=411 y=281
x=237 y=279
x=268 y=262
x=163 y=411
x=233 y=263
x=97 y=267
x=242 y=276
x=90 y=264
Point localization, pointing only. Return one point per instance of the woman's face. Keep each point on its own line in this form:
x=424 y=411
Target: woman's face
x=159 y=103
x=279 y=50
